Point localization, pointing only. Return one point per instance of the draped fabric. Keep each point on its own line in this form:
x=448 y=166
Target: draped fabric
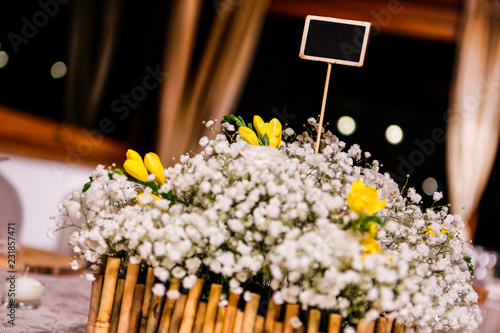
x=91 y=52
x=187 y=97
x=474 y=119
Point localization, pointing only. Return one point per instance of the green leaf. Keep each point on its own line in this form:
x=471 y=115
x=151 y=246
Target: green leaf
x=168 y=196
x=251 y=126
x=87 y=185
x=264 y=140
x=468 y=260
x=227 y=119
x=153 y=185
x=120 y=171
x=240 y=122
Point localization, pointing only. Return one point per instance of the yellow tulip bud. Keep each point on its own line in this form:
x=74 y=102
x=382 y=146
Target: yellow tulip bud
x=136 y=169
x=133 y=155
x=274 y=141
x=248 y=135
x=154 y=166
x=259 y=125
x=274 y=128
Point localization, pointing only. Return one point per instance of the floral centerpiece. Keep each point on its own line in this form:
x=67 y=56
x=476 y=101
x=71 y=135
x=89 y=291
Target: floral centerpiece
x=257 y=207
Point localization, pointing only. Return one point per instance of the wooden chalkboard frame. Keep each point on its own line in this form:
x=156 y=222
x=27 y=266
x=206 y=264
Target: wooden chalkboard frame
x=362 y=24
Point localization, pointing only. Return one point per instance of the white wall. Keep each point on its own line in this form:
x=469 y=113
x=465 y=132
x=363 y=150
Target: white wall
x=41 y=184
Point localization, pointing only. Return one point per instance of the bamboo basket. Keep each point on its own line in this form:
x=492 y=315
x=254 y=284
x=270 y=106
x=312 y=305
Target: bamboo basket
x=129 y=306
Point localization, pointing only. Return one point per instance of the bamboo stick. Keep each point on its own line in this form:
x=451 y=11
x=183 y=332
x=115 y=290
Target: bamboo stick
x=388 y=326
x=365 y=326
x=175 y=322
x=135 y=312
x=199 y=321
x=238 y=321
x=314 y=321
x=278 y=327
x=300 y=329
x=230 y=315
x=259 y=324
x=213 y=302
x=381 y=325
x=107 y=296
x=292 y=310
x=166 y=315
x=190 y=309
x=154 y=314
x=128 y=297
x=398 y=328
x=95 y=299
x=148 y=294
x=250 y=314
x=334 y=323
x=115 y=311
x=219 y=322
x=273 y=311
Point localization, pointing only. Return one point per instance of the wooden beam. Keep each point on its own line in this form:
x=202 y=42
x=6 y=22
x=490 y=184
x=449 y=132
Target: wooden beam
x=434 y=20
x=25 y=134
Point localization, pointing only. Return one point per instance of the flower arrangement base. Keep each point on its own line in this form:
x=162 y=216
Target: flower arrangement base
x=128 y=305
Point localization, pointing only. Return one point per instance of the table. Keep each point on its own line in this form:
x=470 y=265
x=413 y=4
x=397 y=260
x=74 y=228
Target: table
x=64 y=308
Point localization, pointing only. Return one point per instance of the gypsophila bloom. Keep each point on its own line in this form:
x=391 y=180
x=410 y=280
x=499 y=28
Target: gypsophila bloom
x=437 y=196
x=237 y=212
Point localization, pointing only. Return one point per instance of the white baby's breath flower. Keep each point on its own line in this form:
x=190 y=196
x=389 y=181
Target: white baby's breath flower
x=437 y=196
x=90 y=277
x=75 y=265
x=159 y=289
x=173 y=294
x=189 y=281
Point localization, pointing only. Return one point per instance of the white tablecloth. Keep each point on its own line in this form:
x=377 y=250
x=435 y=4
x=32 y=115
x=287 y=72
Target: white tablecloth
x=64 y=308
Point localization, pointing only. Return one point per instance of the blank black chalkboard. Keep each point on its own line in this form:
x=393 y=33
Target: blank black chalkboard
x=334 y=40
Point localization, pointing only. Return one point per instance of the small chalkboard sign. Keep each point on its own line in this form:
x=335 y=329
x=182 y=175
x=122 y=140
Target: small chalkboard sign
x=333 y=40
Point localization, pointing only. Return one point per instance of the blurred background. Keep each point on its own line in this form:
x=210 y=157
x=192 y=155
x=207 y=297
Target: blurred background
x=82 y=81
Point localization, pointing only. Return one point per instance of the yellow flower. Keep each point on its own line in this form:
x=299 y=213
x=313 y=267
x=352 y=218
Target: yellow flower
x=364 y=199
x=371 y=246
x=135 y=167
x=133 y=155
x=259 y=125
x=372 y=228
x=428 y=231
x=248 y=135
x=151 y=195
x=273 y=131
x=154 y=166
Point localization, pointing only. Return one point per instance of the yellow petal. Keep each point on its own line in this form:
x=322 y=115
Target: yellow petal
x=274 y=141
x=259 y=125
x=364 y=199
x=248 y=135
x=136 y=169
x=154 y=166
x=371 y=246
x=133 y=155
x=275 y=128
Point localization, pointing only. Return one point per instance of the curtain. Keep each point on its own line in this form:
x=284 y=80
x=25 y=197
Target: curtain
x=474 y=119
x=94 y=29
x=213 y=89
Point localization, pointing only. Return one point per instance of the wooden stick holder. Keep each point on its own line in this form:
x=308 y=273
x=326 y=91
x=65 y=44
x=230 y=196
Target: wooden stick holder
x=143 y=311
